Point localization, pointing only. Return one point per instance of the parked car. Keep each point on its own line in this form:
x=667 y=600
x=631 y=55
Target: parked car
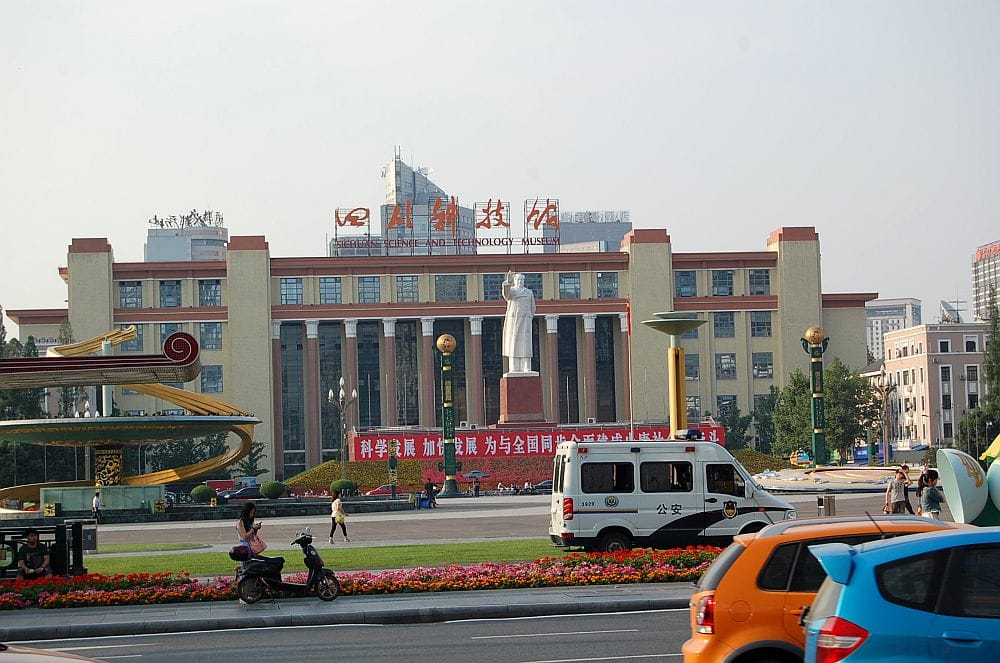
x=747 y=605
x=933 y=597
x=245 y=493
x=384 y=489
x=543 y=487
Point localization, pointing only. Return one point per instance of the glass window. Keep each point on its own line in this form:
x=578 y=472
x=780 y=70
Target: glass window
x=970 y=345
x=676 y=477
x=691 y=333
x=694 y=406
x=725 y=324
x=725 y=365
x=607 y=285
x=971 y=373
x=491 y=287
x=760 y=324
x=166 y=329
x=975 y=584
x=291 y=290
x=913 y=582
x=685 y=283
x=407 y=289
x=211 y=379
x=369 y=291
x=450 y=288
x=329 y=290
x=724 y=479
x=945 y=401
x=209 y=292
x=170 y=294
x=533 y=282
x=944 y=346
x=722 y=282
x=774 y=576
x=763 y=365
x=724 y=403
x=607 y=478
x=946 y=374
x=691 y=366
x=760 y=282
x=135 y=345
x=714 y=574
x=130 y=294
x=210 y=335
x=569 y=285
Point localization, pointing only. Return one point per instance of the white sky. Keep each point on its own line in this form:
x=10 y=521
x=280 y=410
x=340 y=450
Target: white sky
x=877 y=122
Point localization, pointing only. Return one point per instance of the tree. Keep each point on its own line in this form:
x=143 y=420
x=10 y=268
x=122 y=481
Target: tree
x=791 y=417
x=974 y=432
x=249 y=465
x=188 y=451
x=736 y=425
x=992 y=359
x=763 y=419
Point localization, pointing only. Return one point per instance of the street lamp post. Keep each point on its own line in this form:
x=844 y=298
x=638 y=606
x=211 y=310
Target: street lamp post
x=342 y=402
x=815 y=343
x=446 y=344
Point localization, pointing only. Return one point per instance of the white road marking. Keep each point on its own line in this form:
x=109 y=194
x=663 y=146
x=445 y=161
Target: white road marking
x=544 y=635
x=573 y=616
x=145 y=644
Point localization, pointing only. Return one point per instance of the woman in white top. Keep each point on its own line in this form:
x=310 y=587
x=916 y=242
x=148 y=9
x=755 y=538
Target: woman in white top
x=338 y=516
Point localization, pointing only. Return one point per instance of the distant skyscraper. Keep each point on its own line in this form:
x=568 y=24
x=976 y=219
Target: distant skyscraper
x=985 y=274
x=590 y=230
x=886 y=315
x=193 y=243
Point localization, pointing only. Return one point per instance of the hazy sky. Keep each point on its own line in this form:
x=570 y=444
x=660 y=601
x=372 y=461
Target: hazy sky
x=876 y=122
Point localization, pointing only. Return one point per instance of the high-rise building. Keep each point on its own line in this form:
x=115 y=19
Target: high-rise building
x=589 y=230
x=187 y=244
x=985 y=276
x=886 y=315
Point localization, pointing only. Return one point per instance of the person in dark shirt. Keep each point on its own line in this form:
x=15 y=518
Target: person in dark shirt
x=33 y=557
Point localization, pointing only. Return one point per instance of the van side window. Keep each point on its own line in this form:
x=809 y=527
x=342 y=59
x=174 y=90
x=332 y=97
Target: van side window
x=724 y=479
x=675 y=477
x=607 y=477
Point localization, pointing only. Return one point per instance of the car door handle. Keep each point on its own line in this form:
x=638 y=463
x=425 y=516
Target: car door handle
x=962 y=636
x=712 y=500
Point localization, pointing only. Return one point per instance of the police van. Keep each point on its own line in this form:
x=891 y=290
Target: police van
x=655 y=494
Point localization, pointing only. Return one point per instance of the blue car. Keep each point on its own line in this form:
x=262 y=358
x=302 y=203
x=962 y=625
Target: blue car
x=925 y=597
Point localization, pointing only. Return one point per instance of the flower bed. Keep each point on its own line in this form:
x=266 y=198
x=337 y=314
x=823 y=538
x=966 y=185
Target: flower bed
x=635 y=566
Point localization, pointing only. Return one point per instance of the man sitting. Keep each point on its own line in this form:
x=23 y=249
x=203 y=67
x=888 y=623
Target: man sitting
x=33 y=557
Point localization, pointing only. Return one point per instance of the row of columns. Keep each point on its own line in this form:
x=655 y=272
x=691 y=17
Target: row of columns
x=314 y=394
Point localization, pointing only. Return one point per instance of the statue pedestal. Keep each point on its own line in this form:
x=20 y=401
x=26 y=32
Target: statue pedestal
x=521 y=398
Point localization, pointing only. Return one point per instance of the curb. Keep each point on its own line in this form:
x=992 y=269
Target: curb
x=419 y=615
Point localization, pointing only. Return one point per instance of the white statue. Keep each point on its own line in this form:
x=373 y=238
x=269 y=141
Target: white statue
x=517 y=323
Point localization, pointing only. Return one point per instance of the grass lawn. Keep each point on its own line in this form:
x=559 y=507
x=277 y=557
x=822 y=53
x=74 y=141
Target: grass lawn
x=339 y=557
x=146 y=547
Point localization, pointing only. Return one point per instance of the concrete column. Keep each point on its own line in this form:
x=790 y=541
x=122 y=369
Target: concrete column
x=389 y=368
x=427 y=372
x=625 y=390
x=552 y=367
x=474 y=371
x=312 y=394
x=349 y=366
x=279 y=454
x=589 y=365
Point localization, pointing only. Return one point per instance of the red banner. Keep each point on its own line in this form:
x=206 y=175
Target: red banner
x=490 y=443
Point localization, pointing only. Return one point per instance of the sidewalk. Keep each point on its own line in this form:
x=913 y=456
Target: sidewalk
x=38 y=624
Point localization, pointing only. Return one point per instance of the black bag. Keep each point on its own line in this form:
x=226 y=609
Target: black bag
x=239 y=553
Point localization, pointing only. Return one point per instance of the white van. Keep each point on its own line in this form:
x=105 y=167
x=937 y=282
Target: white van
x=618 y=495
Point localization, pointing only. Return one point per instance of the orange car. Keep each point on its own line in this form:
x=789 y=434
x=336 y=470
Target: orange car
x=747 y=605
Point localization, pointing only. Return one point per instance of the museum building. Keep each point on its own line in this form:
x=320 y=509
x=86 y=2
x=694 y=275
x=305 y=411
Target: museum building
x=278 y=333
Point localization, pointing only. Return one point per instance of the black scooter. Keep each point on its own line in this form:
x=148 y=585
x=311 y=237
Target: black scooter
x=259 y=575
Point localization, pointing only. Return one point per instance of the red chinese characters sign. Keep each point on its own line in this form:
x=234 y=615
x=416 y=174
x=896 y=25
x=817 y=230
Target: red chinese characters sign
x=502 y=443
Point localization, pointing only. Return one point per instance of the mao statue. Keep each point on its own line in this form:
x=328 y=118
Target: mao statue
x=517 y=322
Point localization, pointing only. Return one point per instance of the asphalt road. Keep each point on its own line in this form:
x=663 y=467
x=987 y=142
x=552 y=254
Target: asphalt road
x=646 y=636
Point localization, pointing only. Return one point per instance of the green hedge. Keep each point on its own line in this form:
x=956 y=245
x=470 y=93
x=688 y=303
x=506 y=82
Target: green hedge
x=272 y=490
x=202 y=494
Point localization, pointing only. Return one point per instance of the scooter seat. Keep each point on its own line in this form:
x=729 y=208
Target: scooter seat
x=274 y=561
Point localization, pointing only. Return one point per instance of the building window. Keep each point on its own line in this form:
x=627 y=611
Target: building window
x=607 y=285
x=170 y=294
x=722 y=282
x=211 y=379
x=450 y=288
x=725 y=365
x=725 y=404
x=691 y=366
x=725 y=324
x=970 y=344
x=759 y=402
x=946 y=374
x=948 y=430
x=533 y=282
x=211 y=335
x=291 y=291
x=972 y=373
x=135 y=345
x=329 y=290
x=130 y=294
x=569 y=285
x=685 y=283
x=973 y=401
x=760 y=281
x=368 y=290
x=166 y=329
x=407 y=289
x=945 y=401
x=694 y=407
x=760 y=324
x=763 y=365
x=691 y=333
x=210 y=292
x=944 y=346
x=492 y=287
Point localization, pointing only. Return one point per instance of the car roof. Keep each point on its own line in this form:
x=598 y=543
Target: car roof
x=932 y=541
x=811 y=527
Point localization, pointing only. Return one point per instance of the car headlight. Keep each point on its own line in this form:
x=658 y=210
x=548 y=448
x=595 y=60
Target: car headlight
x=790 y=514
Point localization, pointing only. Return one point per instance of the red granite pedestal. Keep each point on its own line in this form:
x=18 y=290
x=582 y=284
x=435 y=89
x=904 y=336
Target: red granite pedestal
x=521 y=399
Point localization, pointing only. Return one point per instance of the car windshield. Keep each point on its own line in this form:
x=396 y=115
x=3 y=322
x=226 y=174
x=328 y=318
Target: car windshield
x=713 y=576
x=825 y=603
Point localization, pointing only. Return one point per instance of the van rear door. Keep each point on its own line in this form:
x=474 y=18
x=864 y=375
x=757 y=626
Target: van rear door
x=559 y=467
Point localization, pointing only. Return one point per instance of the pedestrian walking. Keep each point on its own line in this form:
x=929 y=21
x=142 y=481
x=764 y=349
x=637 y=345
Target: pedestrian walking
x=475 y=487
x=905 y=469
x=931 y=498
x=96 y=507
x=430 y=490
x=895 y=496
x=338 y=517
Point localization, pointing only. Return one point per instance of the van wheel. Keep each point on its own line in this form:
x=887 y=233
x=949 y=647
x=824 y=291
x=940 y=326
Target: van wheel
x=614 y=541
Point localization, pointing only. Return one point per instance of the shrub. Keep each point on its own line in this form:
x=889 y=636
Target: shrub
x=343 y=485
x=272 y=490
x=202 y=494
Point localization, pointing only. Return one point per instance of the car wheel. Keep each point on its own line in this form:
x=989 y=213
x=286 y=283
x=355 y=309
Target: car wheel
x=614 y=541
x=250 y=589
x=328 y=587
